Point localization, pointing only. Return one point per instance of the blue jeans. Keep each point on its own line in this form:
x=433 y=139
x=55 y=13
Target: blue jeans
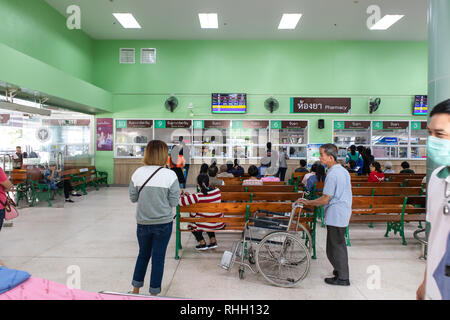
x=2 y=216
x=186 y=171
x=153 y=241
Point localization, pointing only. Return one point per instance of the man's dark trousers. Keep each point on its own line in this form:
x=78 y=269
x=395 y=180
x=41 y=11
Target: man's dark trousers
x=337 y=251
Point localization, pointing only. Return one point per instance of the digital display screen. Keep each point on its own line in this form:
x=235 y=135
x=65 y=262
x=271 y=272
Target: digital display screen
x=420 y=106
x=229 y=103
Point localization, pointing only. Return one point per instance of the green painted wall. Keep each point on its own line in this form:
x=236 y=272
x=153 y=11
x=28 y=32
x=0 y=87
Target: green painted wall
x=38 y=30
x=22 y=70
x=39 y=53
x=192 y=70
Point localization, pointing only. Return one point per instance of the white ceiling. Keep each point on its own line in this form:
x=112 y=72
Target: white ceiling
x=249 y=19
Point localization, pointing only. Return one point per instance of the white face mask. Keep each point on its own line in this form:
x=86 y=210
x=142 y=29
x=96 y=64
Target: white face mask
x=438 y=150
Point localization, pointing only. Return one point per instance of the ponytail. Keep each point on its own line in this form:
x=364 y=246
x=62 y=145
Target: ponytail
x=203 y=182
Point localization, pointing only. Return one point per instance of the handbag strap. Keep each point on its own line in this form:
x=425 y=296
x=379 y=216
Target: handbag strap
x=142 y=187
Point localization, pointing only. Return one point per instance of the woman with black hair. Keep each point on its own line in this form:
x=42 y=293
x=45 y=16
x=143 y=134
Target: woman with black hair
x=406 y=169
x=204 y=169
x=207 y=194
x=376 y=174
x=318 y=177
x=352 y=167
x=311 y=173
x=237 y=170
x=368 y=158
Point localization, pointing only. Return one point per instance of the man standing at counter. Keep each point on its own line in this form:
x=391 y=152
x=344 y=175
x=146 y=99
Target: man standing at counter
x=18 y=158
x=337 y=202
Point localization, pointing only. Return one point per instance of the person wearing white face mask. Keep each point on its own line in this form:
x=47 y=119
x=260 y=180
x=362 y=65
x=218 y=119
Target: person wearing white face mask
x=436 y=282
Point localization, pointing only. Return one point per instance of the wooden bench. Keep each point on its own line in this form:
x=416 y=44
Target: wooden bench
x=293 y=196
x=414 y=183
x=260 y=196
x=266 y=183
x=20 y=180
x=38 y=188
x=101 y=177
x=81 y=178
x=266 y=188
x=235 y=217
x=78 y=183
x=393 y=210
x=296 y=178
x=402 y=176
x=387 y=191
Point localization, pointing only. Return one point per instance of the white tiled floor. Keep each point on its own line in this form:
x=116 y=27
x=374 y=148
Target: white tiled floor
x=97 y=233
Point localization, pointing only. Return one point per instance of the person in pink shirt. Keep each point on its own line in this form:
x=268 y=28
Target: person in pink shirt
x=253 y=180
x=5 y=185
x=270 y=175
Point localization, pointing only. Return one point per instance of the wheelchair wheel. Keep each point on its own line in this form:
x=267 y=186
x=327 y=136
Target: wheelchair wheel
x=241 y=273
x=283 y=259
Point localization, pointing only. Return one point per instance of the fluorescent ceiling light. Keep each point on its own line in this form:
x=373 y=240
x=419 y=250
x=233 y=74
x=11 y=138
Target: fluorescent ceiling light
x=208 y=20
x=387 y=21
x=127 y=20
x=289 y=20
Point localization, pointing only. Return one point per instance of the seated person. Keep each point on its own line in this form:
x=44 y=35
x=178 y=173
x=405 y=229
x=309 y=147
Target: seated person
x=302 y=166
x=224 y=172
x=388 y=166
x=357 y=157
x=204 y=169
x=213 y=162
x=318 y=177
x=406 y=169
x=270 y=175
x=265 y=163
x=237 y=170
x=351 y=168
x=253 y=180
x=51 y=177
x=311 y=173
x=213 y=181
x=207 y=194
x=376 y=174
x=229 y=166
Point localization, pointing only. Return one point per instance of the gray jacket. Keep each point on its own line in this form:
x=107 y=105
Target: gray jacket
x=157 y=198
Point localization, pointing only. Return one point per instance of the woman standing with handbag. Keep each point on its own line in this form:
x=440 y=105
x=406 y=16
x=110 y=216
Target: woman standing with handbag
x=157 y=191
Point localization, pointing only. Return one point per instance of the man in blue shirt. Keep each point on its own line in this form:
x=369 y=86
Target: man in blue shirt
x=337 y=202
x=51 y=177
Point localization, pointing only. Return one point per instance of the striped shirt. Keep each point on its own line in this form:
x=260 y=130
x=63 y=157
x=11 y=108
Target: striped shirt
x=213 y=196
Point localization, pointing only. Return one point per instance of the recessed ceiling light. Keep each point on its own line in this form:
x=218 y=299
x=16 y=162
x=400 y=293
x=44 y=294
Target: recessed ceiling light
x=387 y=21
x=289 y=20
x=208 y=20
x=127 y=20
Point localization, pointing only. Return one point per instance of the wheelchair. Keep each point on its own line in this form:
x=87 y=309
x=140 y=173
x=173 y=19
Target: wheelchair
x=275 y=245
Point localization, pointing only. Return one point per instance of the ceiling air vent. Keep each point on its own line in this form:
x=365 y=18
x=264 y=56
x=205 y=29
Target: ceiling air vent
x=148 y=56
x=127 y=56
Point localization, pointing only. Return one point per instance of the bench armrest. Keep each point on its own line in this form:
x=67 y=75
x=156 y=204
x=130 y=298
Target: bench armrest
x=75 y=178
x=40 y=186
